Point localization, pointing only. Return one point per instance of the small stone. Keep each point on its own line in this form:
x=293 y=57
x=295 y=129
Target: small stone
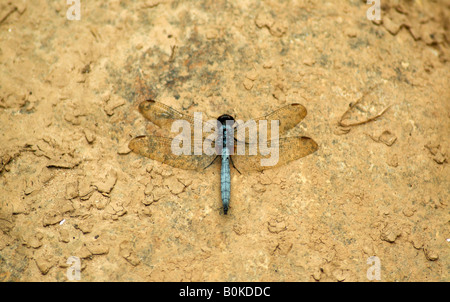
x=408 y=211
x=393 y=161
x=391 y=26
x=174 y=185
x=276 y=227
x=72 y=190
x=417 y=242
x=89 y=135
x=278 y=29
x=46 y=175
x=259 y=188
x=387 y=138
x=63 y=161
x=123 y=149
x=264 y=179
x=43 y=265
x=264 y=20
x=390 y=233
x=317 y=274
x=64 y=235
x=33 y=241
x=267 y=65
x=109 y=182
x=148 y=189
x=148 y=200
x=85 y=226
x=126 y=251
x=151 y=3
x=431 y=254
x=211 y=34
x=52 y=217
x=439 y=158
x=248 y=84
x=309 y=61
x=98 y=200
x=64 y=206
x=339 y=274
x=83 y=252
x=415 y=32
x=97 y=248
x=147 y=212
x=252 y=75
x=159 y=193
x=112 y=104
x=351 y=32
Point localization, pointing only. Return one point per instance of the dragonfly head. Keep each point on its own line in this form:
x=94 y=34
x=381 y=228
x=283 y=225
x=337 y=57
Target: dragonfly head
x=224 y=118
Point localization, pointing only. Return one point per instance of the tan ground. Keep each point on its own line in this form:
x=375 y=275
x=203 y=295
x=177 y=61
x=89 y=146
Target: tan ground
x=69 y=186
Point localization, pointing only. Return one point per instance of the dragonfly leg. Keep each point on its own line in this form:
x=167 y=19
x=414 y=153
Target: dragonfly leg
x=231 y=159
x=212 y=161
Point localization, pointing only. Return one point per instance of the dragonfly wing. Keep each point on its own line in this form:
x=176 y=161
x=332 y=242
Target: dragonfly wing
x=164 y=116
x=288 y=116
x=289 y=149
x=160 y=149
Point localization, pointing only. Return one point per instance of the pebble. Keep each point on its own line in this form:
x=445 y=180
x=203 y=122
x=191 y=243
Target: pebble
x=98 y=200
x=278 y=29
x=64 y=235
x=109 y=182
x=339 y=275
x=43 y=265
x=148 y=189
x=393 y=161
x=174 y=185
x=276 y=227
x=89 y=135
x=248 y=84
x=387 y=138
x=351 y=32
x=391 y=26
x=431 y=254
x=112 y=104
x=123 y=149
x=127 y=252
x=390 y=233
x=52 y=217
x=97 y=248
x=264 y=20
x=85 y=226
x=72 y=190
x=317 y=274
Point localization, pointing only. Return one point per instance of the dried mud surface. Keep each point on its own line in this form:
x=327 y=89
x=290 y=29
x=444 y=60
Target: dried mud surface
x=69 y=186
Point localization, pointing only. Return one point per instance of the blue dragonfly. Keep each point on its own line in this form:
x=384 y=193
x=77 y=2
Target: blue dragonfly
x=160 y=148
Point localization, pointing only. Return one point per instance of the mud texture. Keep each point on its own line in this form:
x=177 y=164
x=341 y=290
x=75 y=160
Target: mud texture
x=378 y=101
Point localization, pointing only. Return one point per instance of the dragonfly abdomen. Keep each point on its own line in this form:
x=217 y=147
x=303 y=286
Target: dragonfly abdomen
x=225 y=183
x=225 y=179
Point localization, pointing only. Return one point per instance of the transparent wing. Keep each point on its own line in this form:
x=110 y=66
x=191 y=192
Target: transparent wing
x=160 y=149
x=288 y=116
x=164 y=116
x=289 y=149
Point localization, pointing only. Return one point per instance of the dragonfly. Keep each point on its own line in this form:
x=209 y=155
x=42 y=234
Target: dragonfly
x=160 y=148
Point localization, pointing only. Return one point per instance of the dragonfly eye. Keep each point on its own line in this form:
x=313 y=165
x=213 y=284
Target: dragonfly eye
x=224 y=118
